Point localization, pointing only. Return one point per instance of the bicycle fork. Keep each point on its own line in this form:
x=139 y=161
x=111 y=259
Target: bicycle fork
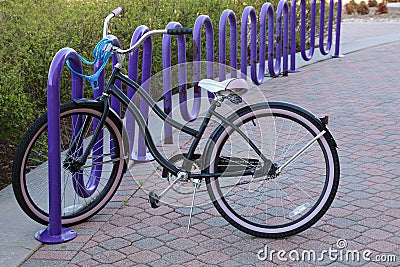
x=76 y=165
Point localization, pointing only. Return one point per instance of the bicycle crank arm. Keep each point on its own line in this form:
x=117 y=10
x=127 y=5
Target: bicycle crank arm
x=301 y=151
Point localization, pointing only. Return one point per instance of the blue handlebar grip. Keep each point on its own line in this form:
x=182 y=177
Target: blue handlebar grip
x=117 y=11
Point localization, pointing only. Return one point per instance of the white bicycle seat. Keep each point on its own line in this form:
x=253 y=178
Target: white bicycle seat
x=235 y=85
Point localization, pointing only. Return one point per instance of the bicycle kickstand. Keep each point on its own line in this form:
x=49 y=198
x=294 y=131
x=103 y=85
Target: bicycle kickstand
x=196 y=184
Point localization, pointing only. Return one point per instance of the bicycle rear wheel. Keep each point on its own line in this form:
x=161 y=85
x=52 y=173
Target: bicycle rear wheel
x=271 y=206
x=84 y=192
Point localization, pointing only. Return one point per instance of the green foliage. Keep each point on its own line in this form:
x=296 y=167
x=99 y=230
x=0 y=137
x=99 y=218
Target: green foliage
x=381 y=8
x=372 y=3
x=16 y=108
x=362 y=8
x=350 y=7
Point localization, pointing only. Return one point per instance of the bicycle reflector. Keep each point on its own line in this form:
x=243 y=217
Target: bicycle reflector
x=325 y=120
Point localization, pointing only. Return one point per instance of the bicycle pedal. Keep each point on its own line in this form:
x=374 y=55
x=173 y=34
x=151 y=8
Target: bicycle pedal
x=154 y=200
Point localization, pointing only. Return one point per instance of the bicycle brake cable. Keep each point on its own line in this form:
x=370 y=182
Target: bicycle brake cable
x=101 y=52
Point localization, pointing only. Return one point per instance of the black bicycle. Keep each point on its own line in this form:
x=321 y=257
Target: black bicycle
x=261 y=191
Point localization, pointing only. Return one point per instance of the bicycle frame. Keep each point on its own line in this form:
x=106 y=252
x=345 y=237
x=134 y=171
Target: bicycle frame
x=111 y=89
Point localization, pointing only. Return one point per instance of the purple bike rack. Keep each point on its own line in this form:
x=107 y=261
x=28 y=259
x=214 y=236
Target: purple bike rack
x=182 y=81
x=324 y=51
x=55 y=233
x=281 y=45
x=141 y=155
x=205 y=21
x=227 y=15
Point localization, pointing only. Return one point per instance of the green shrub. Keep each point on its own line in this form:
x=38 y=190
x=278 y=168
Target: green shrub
x=381 y=8
x=363 y=8
x=372 y=3
x=349 y=9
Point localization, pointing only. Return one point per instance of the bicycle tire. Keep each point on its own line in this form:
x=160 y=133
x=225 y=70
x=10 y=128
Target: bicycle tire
x=76 y=206
x=235 y=199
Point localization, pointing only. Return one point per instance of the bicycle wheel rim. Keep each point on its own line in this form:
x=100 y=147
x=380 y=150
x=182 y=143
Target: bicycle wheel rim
x=296 y=225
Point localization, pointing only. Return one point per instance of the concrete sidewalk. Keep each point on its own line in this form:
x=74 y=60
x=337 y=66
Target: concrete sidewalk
x=361 y=94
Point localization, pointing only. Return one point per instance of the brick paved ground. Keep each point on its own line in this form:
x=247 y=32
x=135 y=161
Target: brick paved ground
x=361 y=94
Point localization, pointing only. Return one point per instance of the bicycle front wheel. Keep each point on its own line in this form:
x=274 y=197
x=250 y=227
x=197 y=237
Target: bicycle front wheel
x=280 y=205
x=85 y=191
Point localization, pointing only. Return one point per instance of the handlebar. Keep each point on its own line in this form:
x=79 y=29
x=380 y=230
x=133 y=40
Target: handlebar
x=179 y=31
x=118 y=10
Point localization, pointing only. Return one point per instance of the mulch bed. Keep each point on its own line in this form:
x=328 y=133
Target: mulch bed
x=7 y=152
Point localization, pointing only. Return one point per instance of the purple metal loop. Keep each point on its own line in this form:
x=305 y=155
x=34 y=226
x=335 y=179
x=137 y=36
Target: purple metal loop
x=325 y=51
x=274 y=57
x=227 y=15
x=55 y=233
x=141 y=154
x=182 y=81
x=249 y=11
x=313 y=13
x=281 y=55
x=338 y=27
x=198 y=25
x=82 y=188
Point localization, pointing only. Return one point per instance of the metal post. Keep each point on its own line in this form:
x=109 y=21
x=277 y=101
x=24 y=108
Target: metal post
x=205 y=21
x=227 y=14
x=182 y=81
x=141 y=154
x=55 y=233
x=338 y=29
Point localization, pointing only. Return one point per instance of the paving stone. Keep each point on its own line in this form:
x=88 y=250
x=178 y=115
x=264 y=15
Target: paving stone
x=178 y=257
x=384 y=246
x=163 y=250
x=148 y=243
x=144 y=257
x=120 y=231
x=124 y=263
x=249 y=258
x=341 y=222
x=134 y=237
x=152 y=231
x=44 y=263
x=213 y=257
x=216 y=222
x=81 y=256
x=182 y=244
x=109 y=256
x=160 y=262
x=378 y=234
x=114 y=243
x=53 y=255
x=89 y=263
